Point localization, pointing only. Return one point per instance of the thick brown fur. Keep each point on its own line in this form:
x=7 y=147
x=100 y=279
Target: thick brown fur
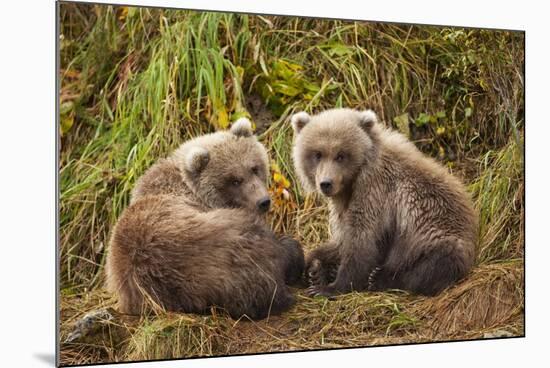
x=398 y=219
x=194 y=235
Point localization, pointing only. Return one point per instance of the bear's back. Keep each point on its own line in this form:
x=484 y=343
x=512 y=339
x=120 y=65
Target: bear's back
x=422 y=181
x=163 y=178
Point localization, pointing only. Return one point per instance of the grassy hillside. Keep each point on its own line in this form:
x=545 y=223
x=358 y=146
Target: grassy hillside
x=136 y=83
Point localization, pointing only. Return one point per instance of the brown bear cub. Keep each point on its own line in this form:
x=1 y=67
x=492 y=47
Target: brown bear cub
x=194 y=235
x=398 y=219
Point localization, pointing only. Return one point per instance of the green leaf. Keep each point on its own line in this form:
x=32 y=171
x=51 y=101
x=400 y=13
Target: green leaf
x=131 y=11
x=67 y=122
x=285 y=89
x=338 y=49
x=285 y=69
x=402 y=123
x=339 y=101
x=422 y=119
x=311 y=87
x=440 y=114
x=66 y=107
x=66 y=116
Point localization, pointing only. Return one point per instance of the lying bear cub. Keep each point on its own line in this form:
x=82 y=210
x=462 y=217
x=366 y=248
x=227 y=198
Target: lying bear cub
x=194 y=235
x=398 y=219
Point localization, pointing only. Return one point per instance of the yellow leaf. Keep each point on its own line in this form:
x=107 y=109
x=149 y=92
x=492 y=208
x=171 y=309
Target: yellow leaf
x=441 y=152
x=240 y=72
x=223 y=118
x=277 y=177
x=67 y=122
x=123 y=13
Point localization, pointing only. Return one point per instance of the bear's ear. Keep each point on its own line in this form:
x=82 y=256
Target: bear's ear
x=196 y=159
x=242 y=128
x=367 y=119
x=299 y=120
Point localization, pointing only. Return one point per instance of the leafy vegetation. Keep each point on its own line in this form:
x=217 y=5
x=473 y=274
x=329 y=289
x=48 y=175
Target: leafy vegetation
x=137 y=82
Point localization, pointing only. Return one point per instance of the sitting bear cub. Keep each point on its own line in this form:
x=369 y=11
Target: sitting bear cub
x=194 y=235
x=397 y=218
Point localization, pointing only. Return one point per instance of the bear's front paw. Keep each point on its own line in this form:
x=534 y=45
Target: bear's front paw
x=318 y=273
x=314 y=273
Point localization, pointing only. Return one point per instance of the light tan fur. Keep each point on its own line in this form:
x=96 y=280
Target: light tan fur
x=398 y=218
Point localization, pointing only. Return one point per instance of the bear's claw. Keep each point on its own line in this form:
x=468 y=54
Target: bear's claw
x=318 y=290
x=372 y=277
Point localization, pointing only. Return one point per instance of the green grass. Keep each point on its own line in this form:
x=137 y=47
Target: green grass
x=136 y=83
x=499 y=193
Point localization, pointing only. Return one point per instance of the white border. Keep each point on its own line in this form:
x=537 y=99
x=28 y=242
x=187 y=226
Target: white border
x=28 y=176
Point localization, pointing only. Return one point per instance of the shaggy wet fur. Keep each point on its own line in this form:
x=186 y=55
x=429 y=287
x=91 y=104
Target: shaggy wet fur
x=398 y=219
x=194 y=235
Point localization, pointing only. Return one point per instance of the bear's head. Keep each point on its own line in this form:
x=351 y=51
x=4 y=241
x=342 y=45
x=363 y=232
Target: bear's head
x=227 y=169
x=331 y=147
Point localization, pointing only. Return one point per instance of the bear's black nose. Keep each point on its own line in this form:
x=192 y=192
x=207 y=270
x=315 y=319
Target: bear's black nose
x=326 y=186
x=263 y=204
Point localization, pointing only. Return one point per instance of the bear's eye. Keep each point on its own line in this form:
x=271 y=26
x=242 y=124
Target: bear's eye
x=340 y=157
x=236 y=182
x=317 y=155
x=255 y=170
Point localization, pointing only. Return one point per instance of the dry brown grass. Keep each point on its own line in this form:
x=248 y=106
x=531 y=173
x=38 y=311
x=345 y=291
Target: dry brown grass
x=491 y=299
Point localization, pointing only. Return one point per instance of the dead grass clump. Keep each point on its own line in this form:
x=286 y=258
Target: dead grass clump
x=311 y=222
x=491 y=297
x=91 y=329
x=175 y=335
